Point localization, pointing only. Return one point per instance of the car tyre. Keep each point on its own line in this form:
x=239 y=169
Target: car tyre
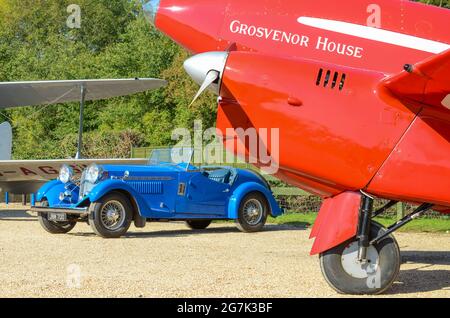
x=252 y=214
x=54 y=227
x=111 y=216
x=198 y=224
x=346 y=276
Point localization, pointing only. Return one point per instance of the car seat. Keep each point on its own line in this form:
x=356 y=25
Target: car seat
x=220 y=175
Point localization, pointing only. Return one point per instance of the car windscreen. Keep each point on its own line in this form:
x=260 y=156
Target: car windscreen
x=176 y=156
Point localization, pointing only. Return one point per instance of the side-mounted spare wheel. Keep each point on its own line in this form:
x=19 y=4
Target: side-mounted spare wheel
x=54 y=227
x=252 y=214
x=111 y=216
x=347 y=275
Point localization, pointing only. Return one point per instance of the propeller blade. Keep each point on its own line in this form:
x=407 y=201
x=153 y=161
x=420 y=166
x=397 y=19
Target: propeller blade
x=210 y=78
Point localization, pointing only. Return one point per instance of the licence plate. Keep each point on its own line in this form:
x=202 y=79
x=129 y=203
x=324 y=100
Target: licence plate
x=58 y=217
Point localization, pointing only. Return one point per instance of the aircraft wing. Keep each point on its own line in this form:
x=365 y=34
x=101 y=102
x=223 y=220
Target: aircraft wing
x=43 y=170
x=27 y=176
x=15 y=94
x=427 y=82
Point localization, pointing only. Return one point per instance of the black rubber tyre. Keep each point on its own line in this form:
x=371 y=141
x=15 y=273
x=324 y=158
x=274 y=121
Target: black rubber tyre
x=331 y=263
x=54 y=227
x=249 y=224
x=198 y=224
x=100 y=215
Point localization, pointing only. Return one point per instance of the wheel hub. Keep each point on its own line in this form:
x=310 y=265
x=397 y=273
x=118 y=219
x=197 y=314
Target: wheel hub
x=112 y=215
x=253 y=211
x=354 y=267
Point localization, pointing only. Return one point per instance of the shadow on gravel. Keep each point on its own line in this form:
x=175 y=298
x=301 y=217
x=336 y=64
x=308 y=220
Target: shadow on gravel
x=214 y=230
x=16 y=216
x=423 y=257
x=189 y=232
x=421 y=280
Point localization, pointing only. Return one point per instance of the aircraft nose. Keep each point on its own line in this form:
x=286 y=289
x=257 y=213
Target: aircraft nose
x=151 y=9
x=194 y=24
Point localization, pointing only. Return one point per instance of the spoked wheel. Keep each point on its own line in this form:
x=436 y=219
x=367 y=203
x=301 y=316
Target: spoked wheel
x=347 y=275
x=252 y=214
x=52 y=226
x=111 y=216
x=198 y=224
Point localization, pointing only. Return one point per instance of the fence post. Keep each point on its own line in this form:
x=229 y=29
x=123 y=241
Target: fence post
x=401 y=207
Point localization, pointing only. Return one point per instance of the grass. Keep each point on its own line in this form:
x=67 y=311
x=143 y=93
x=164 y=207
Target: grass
x=418 y=225
x=295 y=219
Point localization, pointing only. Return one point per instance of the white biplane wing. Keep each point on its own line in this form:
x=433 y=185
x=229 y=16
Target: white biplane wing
x=27 y=176
x=16 y=94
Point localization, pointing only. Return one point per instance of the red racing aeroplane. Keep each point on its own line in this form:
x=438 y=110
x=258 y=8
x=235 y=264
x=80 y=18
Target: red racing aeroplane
x=360 y=92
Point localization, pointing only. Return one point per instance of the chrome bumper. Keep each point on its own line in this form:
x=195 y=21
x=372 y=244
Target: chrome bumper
x=74 y=211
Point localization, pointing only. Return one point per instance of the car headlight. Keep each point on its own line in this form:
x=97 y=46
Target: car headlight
x=94 y=173
x=65 y=174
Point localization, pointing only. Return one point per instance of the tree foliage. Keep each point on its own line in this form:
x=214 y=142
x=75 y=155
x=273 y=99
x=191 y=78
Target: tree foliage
x=114 y=41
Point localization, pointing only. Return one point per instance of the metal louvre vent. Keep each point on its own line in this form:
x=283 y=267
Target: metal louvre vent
x=330 y=79
x=146 y=187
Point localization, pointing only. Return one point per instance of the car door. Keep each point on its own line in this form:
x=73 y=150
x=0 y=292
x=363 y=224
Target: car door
x=203 y=195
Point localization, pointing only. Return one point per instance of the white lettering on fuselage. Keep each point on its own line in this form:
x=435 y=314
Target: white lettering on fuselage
x=322 y=43
x=325 y=44
x=237 y=27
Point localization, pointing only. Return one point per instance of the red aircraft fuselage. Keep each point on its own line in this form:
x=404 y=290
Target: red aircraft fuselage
x=349 y=132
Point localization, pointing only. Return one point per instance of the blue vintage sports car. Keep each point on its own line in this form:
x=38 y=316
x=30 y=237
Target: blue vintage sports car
x=110 y=197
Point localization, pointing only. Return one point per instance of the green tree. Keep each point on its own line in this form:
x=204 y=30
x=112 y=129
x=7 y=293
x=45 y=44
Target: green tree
x=114 y=41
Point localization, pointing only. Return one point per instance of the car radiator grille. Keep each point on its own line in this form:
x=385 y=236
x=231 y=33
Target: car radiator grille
x=146 y=187
x=85 y=186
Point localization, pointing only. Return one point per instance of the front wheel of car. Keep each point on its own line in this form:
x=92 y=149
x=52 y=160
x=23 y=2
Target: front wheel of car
x=198 y=224
x=111 y=216
x=54 y=227
x=252 y=214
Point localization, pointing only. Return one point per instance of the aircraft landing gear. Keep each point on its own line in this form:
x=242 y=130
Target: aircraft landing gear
x=370 y=262
x=346 y=273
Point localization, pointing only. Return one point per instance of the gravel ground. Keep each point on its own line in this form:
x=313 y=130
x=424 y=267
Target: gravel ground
x=169 y=260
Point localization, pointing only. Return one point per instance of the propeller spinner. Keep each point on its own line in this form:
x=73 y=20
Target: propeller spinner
x=206 y=69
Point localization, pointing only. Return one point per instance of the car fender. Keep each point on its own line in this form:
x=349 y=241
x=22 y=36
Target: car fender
x=242 y=190
x=336 y=222
x=50 y=191
x=105 y=187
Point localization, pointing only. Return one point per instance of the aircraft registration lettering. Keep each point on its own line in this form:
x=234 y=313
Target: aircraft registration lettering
x=27 y=172
x=48 y=170
x=321 y=43
x=78 y=169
